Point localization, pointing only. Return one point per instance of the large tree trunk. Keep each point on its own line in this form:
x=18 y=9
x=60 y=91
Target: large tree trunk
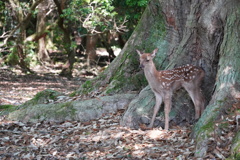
x=203 y=33
x=224 y=22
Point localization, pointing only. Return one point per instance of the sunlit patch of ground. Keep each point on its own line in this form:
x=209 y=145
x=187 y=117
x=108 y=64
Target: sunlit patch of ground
x=16 y=88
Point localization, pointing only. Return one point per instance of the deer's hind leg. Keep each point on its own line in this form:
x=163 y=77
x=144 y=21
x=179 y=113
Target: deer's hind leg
x=197 y=98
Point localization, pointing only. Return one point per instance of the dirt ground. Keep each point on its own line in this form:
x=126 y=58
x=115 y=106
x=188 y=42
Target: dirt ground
x=16 y=87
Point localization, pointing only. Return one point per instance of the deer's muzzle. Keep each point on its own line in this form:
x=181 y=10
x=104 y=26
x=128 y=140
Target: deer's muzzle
x=141 y=66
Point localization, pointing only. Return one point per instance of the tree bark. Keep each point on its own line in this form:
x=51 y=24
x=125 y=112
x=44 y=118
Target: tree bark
x=41 y=26
x=67 y=69
x=106 y=40
x=91 y=49
x=227 y=86
x=22 y=25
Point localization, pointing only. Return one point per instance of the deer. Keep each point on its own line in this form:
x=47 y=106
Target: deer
x=164 y=82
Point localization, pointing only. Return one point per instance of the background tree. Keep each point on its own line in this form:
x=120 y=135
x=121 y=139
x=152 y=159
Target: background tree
x=67 y=70
x=19 y=50
x=95 y=22
x=92 y=19
x=40 y=28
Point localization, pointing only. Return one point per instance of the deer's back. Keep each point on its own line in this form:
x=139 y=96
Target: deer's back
x=179 y=75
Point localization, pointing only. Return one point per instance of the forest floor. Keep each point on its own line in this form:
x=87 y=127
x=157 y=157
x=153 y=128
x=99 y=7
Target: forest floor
x=102 y=138
x=17 y=87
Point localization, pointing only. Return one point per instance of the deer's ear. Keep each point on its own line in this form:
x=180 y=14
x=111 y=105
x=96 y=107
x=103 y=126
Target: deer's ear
x=154 y=52
x=139 y=52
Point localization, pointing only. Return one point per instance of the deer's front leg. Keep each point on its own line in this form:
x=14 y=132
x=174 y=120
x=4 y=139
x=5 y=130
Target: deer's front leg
x=167 y=109
x=156 y=108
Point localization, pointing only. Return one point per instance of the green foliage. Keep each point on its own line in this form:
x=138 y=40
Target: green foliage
x=86 y=16
x=58 y=38
x=139 y=3
x=2 y=15
x=93 y=15
x=31 y=57
x=29 y=51
x=12 y=58
x=132 y=10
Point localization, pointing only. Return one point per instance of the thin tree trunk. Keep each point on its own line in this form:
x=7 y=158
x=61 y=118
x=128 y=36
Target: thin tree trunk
x=41 y=26
x=67 y=69
x=106 y=42
x=22 y=25
x=91 y=49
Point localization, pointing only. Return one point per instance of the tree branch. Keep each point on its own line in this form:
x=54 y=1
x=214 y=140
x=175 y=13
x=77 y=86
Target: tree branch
x=25 y=21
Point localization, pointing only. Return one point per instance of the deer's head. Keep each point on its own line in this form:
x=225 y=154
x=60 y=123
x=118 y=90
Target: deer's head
x=146 y=59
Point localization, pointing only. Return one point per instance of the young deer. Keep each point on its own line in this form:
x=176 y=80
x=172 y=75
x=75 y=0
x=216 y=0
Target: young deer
x=163 y=83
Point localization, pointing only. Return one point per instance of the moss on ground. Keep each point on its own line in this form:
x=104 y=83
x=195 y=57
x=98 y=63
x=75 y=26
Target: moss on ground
x=73 y=94
x=2 y=107
x=5 y=109
x=42 y=97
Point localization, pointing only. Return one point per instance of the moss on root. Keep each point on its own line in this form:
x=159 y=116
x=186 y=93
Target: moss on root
x=5 y=109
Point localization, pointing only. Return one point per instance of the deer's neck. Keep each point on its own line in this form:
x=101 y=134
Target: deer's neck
x=151 y=74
